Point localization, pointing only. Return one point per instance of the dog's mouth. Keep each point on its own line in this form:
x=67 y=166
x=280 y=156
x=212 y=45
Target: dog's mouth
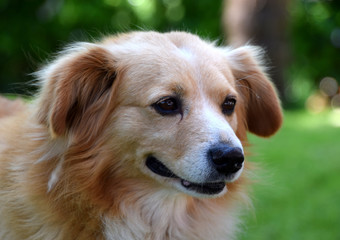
x=209 y=188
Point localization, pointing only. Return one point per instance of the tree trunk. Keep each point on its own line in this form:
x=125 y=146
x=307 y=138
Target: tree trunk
x=263 y=23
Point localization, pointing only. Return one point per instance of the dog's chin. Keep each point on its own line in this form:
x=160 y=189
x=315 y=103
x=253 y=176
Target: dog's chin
x=201 y=190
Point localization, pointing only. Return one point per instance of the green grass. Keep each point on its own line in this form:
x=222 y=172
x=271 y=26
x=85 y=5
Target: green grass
x=298 y=196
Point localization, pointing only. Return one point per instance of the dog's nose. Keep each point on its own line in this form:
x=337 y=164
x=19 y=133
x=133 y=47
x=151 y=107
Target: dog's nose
x=226 y=159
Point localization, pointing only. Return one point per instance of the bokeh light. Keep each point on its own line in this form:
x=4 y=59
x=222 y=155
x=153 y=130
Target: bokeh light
x=328 y=95
x=316 y=103
x=329 y=86
x=335 y=102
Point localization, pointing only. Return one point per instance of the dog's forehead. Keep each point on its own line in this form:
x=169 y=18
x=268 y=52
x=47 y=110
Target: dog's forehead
x=172 y=62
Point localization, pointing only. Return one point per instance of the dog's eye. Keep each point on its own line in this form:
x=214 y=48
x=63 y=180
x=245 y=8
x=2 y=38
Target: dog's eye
x=167 y=106
x=228 y=105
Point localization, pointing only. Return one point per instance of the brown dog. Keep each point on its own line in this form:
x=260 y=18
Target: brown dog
x=139 y=136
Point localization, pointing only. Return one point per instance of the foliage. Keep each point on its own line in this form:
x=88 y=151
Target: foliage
x=315 y=43
x=32 y=30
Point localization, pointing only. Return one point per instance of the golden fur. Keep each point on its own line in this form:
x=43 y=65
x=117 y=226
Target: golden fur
x=72 y=163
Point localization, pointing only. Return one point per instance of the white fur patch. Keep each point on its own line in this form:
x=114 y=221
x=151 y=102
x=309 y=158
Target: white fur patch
x=55 y=175
x=159 y=215
x=220 y=128
x=163 y=216
x=186 y=53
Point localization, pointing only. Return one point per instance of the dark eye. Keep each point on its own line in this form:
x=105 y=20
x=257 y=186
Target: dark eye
x=228 y=105
x=167 y=106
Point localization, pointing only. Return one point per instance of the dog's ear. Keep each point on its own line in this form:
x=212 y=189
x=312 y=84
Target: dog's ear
x=77 y=90
x=262 y=106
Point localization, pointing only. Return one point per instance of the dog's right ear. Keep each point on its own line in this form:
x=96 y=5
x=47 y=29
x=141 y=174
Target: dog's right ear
x=262 y=105
x=77 y=91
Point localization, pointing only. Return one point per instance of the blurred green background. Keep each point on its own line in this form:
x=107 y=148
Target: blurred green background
x=298 y=192
x=32 y=30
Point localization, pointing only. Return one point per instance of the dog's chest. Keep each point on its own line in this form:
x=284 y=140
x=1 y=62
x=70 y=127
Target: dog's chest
x=149 y=219
x=171 y=221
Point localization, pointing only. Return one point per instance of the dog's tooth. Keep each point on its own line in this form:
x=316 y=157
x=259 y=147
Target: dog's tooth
x=186 y=183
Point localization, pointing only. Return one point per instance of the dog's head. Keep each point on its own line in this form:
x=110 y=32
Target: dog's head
x=170 y=108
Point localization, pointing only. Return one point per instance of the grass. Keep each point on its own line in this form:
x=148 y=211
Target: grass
x=298 y=196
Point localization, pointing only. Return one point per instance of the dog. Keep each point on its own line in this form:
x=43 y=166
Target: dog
x=10 y=107
x=141 y=135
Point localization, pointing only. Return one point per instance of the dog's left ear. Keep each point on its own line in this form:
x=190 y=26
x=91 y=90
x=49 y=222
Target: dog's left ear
x=77 y=91
x=262 y=105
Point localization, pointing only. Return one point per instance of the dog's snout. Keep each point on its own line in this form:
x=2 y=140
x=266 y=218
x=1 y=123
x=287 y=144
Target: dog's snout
x=226 y=159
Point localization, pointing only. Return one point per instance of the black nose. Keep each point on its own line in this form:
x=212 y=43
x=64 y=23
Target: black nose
x=226 y=159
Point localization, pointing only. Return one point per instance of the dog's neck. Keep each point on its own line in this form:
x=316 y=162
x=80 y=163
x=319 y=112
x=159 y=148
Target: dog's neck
x=161 y=216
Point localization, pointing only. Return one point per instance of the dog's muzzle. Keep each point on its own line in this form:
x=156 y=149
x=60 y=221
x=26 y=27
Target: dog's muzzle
x=209 y=188
x=224 y=160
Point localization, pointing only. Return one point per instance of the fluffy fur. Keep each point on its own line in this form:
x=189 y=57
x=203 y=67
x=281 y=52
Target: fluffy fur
x=72 y=162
